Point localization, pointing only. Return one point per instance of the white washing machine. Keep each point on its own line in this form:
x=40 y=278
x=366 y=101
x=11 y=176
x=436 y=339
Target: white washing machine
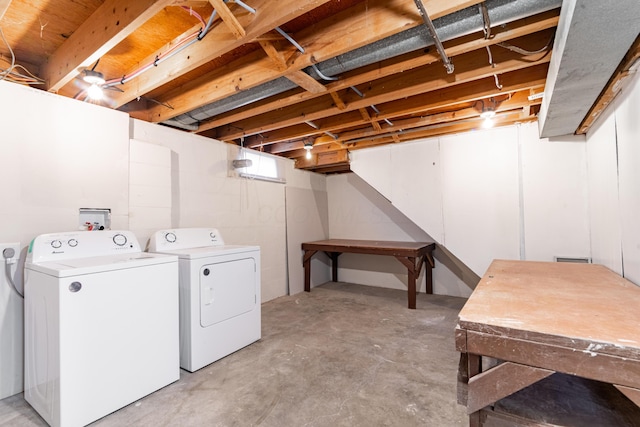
x=101 y=324
x=219 y=293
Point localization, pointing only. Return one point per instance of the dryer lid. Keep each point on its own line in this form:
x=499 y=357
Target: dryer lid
x=211 y=251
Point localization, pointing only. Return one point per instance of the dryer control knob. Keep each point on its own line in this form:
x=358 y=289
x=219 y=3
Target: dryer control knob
x=56 y=244
x=170 y=237
x=73 y=243
x=213 y=235
x=120 y=239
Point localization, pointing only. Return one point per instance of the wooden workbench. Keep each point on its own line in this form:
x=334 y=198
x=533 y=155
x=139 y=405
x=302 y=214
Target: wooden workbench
x=411 y=254
x=539 y=319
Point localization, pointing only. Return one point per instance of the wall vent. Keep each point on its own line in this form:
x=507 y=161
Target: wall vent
x=580 y=260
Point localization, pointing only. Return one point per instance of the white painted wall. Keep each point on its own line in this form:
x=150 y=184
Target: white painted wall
x=498 y=193
x=307 y=220
x=358 y=211
x=245 y=211
x=627 y=108
x=613 y=156
x=480 y=188
x=421 y=174
x=554 y=196
x=57 y=155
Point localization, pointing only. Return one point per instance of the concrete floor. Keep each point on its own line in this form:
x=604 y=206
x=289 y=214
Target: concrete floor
x=342 y=355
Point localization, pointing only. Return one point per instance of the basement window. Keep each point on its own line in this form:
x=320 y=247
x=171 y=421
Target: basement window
x=255 y=165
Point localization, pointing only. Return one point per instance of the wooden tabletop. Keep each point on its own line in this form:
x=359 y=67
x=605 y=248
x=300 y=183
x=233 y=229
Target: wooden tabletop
x=569 y=304
x=382 y=247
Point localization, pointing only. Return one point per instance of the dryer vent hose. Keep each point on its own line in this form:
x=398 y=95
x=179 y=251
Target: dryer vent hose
x=9 y=253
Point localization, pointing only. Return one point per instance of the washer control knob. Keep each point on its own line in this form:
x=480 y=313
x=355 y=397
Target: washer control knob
x=213 y=235
x=73 y=243
x=120 y=239
x=56 y=244
x=170 y=237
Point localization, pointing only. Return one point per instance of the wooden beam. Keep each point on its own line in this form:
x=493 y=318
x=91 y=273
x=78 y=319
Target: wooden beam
x=217 y=42
x=499 y=382
x=420 y=80
x=227 y=17
x=359 y=25
x=323 y=159
x=442 y=129
x=306 y=82
x=368 y=73
x=273 y=53
x=115 y=19
x=516 y=102
x=442 y=98
x=4 y=5
x=436 y=8
x=367 y=118
x=355 y=27
x=633 y=394
x=340 y=105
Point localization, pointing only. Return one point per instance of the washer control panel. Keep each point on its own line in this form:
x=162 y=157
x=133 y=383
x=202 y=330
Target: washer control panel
x=82 y=244
x=184 y=238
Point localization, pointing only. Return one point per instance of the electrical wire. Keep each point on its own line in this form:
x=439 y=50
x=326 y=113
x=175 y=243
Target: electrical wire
x=290 y=39
x=8 y=71
x=178 y=47
x=521 y=51
x=194 y=13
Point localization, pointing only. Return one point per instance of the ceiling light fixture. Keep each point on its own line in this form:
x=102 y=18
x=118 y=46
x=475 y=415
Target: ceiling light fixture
x=488 y=113
x=96 y=80
x=93 y=77
x=95 y=92
x=308 y=145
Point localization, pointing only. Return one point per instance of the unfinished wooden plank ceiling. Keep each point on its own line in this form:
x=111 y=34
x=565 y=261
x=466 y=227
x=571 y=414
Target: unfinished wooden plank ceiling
x=339 y=75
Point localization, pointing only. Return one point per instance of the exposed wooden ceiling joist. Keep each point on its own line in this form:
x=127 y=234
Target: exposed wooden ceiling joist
x=217 y=42
x=358 y=26
x=385 y=68
x=418 y=80
x=396 y=99
x=108 y=25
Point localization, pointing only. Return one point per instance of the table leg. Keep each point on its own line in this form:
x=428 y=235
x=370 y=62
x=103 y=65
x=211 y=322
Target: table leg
x=334 y=264
x=429 y=279
x=306 y=262
x=474 y=367
x=412 y=273
x=412 y=284
x=429 y=273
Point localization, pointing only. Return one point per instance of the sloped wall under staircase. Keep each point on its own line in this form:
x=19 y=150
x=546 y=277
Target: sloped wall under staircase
x=482 y=195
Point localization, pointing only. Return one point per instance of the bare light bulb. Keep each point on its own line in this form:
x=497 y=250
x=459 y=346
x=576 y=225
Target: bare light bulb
x=308 y=146
x=95 y=92
x=487 y=123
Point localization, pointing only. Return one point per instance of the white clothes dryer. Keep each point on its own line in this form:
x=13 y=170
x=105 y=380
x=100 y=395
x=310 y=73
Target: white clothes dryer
x=220 y=309
x=101 y=324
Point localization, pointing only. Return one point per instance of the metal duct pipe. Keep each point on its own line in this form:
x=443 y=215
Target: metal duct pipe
x=449 y=27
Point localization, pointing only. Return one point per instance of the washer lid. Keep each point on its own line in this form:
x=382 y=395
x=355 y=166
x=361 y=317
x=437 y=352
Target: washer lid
x=212 y=251
x=79 y=266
